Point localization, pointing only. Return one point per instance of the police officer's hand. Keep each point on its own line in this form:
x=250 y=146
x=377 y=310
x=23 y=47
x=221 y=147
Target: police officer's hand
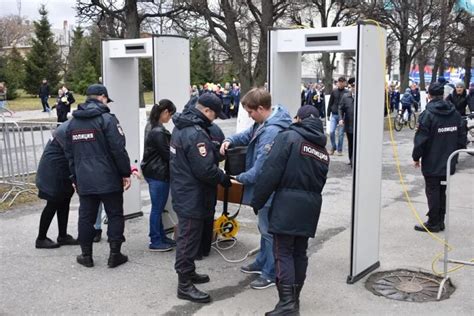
x=416 y=164
x=227 y=183
x=225 y=145
x=126 y=183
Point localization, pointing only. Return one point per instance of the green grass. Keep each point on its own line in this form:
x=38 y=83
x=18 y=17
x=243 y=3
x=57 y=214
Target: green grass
x=26 y=102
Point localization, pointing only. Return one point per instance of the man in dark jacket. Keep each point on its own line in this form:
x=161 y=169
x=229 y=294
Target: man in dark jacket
x=346 y=116
x=194 y=178
x=440 y=132
x=100 y=168
x=333 y=115
x=415 y=92
x=296 y=170
x=44 y=94
x=459 y=98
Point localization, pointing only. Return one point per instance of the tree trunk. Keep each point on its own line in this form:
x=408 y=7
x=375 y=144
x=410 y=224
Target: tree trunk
x=328 y=71
x=260 y=71
x=467 y=67
x=440 y=48
x=421 y=65
x=404 y=67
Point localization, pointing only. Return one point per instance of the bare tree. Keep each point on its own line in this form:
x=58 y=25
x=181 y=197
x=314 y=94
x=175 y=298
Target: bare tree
x=413 y=23
x=14 y=30
x=463 y=38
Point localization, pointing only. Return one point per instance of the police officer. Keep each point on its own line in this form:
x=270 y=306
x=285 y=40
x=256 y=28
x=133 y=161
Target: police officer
x=440 y=132
x=100 y=169
x=296 y=171
x=194 y=178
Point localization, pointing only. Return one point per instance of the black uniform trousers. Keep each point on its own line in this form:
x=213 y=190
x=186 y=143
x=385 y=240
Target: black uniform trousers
x=207 y=236
x=290 y=258
x=350 y=143
x=436 y=195
x=188 y=244
x=88 y=209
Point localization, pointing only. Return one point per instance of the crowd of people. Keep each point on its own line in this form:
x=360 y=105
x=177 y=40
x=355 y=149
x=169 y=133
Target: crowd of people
x=229 y=95
x=90 y=149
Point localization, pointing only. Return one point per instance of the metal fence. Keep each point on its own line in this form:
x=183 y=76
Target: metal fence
x=21 y=146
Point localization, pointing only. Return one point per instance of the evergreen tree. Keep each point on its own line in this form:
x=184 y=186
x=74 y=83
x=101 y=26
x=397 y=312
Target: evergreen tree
x=147 y=73
x=201 y=68
x=88 y=77
x=73 y=60
x=42 y=61
x=14 y=73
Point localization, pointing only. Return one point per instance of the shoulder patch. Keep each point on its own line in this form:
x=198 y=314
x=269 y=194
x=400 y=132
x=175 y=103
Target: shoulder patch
x=120 y=130
x=202 y=149
x=314 y=152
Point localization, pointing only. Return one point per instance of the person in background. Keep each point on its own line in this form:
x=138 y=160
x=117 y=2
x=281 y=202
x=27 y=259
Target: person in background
x=226 y=102
x=63 y=103
x=440 y=132
x=3 y=99
x=155 y=169
x=44 y=94
x=295 y=174
x=394 y=96
x=470 y=98
x=269 y=121
x=459 y=98
x=333 y=115
x=54 y=186
x=235 y=99
x=346 y=115
x=415 y=92
x=407 y=101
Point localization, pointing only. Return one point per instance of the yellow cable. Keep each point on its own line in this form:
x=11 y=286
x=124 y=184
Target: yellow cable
x=402 y=181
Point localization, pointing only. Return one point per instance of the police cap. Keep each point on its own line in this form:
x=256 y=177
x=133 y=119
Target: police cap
x=306 y=111
x=98 y=89
x=210 y=100
x=436 y=88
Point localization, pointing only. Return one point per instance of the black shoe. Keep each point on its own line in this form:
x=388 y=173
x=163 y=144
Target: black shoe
x=187 y=291
x=98 y=235
x=86 y=261
x=68 y=240
x=198 y=258
x=46 y=244
x=287 y=304
x=116 y=258
x=197 y=278
x=85 y=258
x=431 y=228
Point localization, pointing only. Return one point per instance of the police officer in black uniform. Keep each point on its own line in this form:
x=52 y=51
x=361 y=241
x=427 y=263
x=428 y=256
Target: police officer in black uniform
x=100 y=168
x=194 y=178
x=296 y=171
x=440 y=132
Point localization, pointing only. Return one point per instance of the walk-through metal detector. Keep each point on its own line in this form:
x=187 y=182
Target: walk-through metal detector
x=285 y=47
x=171 y=69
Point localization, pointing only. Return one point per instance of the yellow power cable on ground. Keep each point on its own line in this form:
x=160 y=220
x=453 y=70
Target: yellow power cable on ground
x=402 y=180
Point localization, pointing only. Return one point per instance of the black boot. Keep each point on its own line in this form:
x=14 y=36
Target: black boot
x=197 y=278
x=287 y=304
x=67 y=240
x=298 y=288
x=430 y=227
x=116 y=258
x=85 y=258
x=98 y=235
x=187 y=291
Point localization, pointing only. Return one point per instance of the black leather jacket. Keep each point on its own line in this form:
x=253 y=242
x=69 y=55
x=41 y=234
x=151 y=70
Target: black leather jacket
x=156 y=155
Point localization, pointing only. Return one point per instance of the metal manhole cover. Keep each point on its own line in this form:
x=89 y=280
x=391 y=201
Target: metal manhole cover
x=406 y=285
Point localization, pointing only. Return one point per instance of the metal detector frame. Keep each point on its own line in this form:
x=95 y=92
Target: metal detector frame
x=285 y=47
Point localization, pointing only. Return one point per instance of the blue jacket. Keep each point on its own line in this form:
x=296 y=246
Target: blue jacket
x=407 y=99
x=259 y=139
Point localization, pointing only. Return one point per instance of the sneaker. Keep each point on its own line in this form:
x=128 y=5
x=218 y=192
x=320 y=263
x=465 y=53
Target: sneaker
x=46 y=244
x=67 y=240
x=170 y=241
x=250 y=269
x=261 y=283
x=160 y=248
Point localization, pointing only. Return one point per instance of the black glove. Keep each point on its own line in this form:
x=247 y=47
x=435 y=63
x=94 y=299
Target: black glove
x=255 y=210
x=226 y=183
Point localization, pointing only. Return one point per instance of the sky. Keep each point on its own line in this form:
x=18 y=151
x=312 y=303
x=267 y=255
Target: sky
x=58 y=10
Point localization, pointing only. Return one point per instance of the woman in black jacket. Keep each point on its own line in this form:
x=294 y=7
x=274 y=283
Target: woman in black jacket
x=54 y=186
x=155 y=169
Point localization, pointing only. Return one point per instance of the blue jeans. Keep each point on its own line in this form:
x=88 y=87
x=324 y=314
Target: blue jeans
x=159 y=191
x=265 y=259
x=332 y=133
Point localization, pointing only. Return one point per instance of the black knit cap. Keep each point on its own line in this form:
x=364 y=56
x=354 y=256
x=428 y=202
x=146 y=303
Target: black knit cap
x=436 y=88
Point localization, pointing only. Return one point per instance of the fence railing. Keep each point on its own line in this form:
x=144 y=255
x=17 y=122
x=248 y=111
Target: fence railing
x=21 y=146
